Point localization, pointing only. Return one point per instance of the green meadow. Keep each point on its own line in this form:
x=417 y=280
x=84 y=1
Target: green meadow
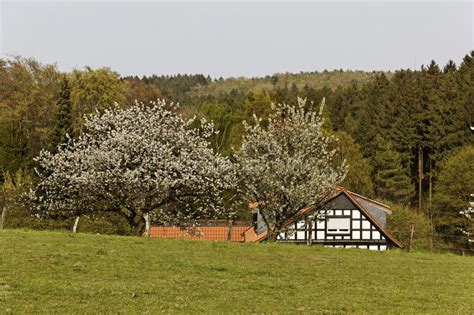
x=56 y=272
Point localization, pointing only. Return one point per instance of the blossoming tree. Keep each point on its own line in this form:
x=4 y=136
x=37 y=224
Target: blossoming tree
x=141 y=162
x=288 y=164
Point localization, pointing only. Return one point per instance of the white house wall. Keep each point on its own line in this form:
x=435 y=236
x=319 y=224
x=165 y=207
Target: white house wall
x=340 y=228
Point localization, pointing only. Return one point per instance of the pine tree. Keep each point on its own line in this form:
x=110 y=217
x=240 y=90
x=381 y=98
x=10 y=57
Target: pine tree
x=449 y=67
x=391 y=181
x=63 y=124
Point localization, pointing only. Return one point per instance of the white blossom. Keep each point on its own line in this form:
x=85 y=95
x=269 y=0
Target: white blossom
x=288 y=165
x=136 y=161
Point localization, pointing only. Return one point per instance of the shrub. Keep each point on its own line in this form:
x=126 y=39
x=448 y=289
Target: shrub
x=401 y=222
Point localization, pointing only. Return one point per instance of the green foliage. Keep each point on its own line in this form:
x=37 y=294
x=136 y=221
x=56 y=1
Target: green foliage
x=11 y=195
x=226 y=122
x=401 y=221
x=109 y=274
x=358 y=177
x=390 y=179
x=141 y=92
x=455 y=184
x=331 y=79
x=430 y=107
x=18 y=214
x=63 y=125
x=28 y=94
x=259 y=104
x=175 y=88
x=94 y=90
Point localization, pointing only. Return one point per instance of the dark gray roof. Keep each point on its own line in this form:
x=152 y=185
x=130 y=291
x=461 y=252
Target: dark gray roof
x=378 y=211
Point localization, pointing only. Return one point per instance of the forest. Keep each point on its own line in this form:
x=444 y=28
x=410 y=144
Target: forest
x=406 y=135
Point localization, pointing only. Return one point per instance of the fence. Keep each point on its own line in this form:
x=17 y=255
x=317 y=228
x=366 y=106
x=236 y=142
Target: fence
x=208 y=233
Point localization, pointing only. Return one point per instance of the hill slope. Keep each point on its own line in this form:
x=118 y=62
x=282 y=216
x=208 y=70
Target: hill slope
x=331 y=79
x=58 y=272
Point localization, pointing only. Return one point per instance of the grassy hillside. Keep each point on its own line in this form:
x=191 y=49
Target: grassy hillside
x=331 y=79
x=63 y=273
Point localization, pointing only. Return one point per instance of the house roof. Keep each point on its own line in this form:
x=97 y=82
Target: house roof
x=370 y=208
x=367 y=206
x=378 y=210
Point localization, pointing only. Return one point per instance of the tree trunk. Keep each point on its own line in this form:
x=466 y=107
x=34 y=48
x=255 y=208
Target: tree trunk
x=138 y=225
x=310 y=232
x=430 y=209
x=147 y=225
x=420 y=177
x=229 y=232
x=273 y=234
x=430 y=187
x=76 y=223
x=2 y=218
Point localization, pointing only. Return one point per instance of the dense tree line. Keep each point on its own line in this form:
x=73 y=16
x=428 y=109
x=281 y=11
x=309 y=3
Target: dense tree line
x=396 y=130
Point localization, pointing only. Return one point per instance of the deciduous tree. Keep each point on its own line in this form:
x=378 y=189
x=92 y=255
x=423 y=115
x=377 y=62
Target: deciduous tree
x=138 y=162
x=455 y=184
x=288 y=165
x=359 y=170
x=390 y=179
x=94 y=90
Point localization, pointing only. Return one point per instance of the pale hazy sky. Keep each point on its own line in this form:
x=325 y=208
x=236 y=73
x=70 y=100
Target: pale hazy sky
x=236 y=38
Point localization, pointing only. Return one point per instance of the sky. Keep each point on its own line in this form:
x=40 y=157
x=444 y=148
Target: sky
x=236 y=38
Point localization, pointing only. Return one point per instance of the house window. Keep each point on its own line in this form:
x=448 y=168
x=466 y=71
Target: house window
x=338 y=226
x=255 y=219
x=365 y=224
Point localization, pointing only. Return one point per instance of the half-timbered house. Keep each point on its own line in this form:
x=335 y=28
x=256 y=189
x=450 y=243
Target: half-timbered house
x=346 y=219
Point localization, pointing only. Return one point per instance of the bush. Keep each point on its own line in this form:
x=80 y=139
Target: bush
x=455 y=183
x=108 y=223
x=401 y=222
x=18 y=214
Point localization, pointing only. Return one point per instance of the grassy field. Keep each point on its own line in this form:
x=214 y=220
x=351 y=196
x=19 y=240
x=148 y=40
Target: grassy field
x=46 y=272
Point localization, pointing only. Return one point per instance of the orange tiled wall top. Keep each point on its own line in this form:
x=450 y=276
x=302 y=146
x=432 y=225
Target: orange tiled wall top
x=213 y=233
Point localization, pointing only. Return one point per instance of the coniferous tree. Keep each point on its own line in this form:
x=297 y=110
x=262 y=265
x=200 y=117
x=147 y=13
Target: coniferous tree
x=405 y=128
x=63 y=124
x=449 y=67
x=429 y=132
x=391 y=181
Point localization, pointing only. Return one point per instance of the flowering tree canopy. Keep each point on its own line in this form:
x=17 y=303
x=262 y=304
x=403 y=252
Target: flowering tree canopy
x=138 y=162
x=288 y=165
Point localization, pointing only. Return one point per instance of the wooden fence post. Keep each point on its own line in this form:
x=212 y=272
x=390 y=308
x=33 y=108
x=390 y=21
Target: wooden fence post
x=410 y=244
x=2 y=218
x=76 y=224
